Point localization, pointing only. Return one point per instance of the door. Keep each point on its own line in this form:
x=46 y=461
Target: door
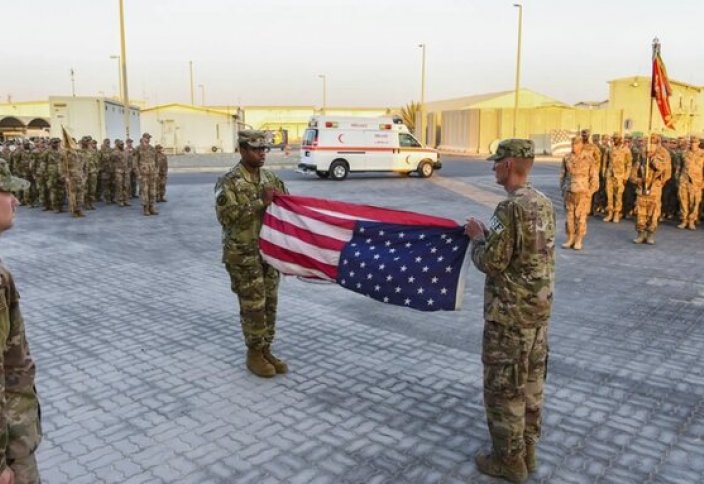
x=407 y=155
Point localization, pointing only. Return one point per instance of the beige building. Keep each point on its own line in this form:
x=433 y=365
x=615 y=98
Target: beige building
x=24 y=119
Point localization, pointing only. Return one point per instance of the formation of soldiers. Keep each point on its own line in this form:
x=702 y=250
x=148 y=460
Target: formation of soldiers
x=61 y=175
x=620 y=177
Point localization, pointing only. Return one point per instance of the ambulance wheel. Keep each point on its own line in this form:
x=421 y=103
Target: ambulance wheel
x=339 y=170
x=322 y=174
x=425 y=169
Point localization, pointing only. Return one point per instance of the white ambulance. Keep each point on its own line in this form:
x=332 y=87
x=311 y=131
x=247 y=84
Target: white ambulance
x=334 y=146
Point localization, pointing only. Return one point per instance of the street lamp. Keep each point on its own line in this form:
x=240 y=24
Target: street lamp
x=518 y=67
x=325 y=91
x=202 y=94
x=119 y=73
x=421 y=128
x=123 y=61
x=190 y=68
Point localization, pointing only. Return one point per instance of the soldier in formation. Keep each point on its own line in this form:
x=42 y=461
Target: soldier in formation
x=579 y=180
x=649 y=177
x=690 y=184
x=162 y=166
x=616 y=173
x=145 y=158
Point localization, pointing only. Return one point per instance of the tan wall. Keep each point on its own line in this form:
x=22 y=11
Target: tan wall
x=178 y=128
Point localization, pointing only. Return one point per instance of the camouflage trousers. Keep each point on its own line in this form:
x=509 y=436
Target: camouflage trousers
x=57 y=191
x=147 y=189
x=256 y=285
x=670 y=201
x=25 y=434
x=132 y=188
x=106 y=190
x=161 y=186
x=43 y=192
x=629 y=198
x=614 y=195
x=91 y=188
x=120 y=187
x=577 y=208
x=515 y=366
x=76 y=195
x=648 y=212
x=690 y=199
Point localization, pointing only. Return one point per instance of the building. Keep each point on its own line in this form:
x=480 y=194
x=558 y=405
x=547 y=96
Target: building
x=98 y=117
x=24 y=119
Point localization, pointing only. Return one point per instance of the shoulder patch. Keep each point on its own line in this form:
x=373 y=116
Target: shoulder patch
x=495 y=225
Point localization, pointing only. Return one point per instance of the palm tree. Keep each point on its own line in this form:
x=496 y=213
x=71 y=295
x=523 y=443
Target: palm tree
x=408 y=113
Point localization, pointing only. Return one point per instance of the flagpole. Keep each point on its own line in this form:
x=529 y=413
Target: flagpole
x=656 y=47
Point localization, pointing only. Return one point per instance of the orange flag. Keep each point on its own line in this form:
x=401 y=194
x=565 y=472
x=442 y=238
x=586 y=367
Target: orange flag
x=660 y=87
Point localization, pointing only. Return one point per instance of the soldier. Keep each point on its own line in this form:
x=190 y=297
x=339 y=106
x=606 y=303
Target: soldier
x=36 y=179
x=691 y=183
x=648 y=176
x=134 y=171
x=579 y=179
x=517 y=254
x=90 y=160
x=121 y=167
x=145 y=159
x=241 y=196
x=20 y=426
x=54 y=181
x=23 y=165
x=617 y=171
x=106 y=189
x=162 y=164
x=73 y=170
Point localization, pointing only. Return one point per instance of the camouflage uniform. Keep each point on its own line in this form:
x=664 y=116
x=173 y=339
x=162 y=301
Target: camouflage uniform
x=162 y=165
x=691 y=183
x=91 y=161
x=53 y=164
x=579 y=179
x=73 y=170
x=106 y=174
x=23 y=164
x=120 y=168
x=629 y=194
x=517 y=254
x=20 y=426
x=670 y=201
x=649 y=192
x=618 y=169
x=145 y=158
x=240 y=211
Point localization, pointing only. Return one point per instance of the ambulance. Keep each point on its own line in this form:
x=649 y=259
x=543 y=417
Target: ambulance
x=335 y=146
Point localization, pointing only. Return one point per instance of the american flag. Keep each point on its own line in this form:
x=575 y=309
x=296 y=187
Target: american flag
x=561 y=141
x=397 y=257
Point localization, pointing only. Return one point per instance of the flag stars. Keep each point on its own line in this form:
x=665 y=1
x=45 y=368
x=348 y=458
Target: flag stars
x=386 y=299
x=377 y=288
x=411 y=279
x=421 y=236
x=448 y=241
x=443 y=291
x=351 y=273
x=426 y=268
x=441 y=258
x=369 y=276
x=381 y=233
x=359 y=285
x=376 y=256
x=401 y=235
x=434 y=280
x=407 y=302
x=403 y=268
x=397 y=290
x=389 y=278
x=382 y=266
x=363 y=265
x=433 y=250
x=387 y=243
x=448 y=269
x=419 y=259
x=455 y=249
x=345 y=262
x=430 y=301
x=361 y=230
x=369 y=241
x=421 y=290
x=356 y=254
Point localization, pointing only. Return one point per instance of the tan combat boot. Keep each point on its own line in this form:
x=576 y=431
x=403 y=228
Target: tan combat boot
x=531 y=459
x=609 y=217
x=279 y=365
x=617 y=218
x=683 y=225
x=257 y=364
x=691 y=226
x=650 y=238
x=568 y=244
x=642 y=235
x=512 y=469
x=578 y=244
x=146 y=211
x=153 y=210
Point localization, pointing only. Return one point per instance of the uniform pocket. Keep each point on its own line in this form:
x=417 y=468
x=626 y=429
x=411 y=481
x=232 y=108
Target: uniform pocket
x=240 y=254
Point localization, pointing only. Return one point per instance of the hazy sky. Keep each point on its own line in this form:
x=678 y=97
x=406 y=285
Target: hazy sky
x=272 y=51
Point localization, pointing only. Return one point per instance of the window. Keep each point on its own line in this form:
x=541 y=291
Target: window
x=406 y=140
x=310 y=137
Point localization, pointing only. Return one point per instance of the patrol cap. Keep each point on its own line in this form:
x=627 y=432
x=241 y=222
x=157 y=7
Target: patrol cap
x=146 y=135
x=513 y=148
x=55 y=140
x=254 y=138
x=9 y=183
x=86 y=139
x=118 y=141
x=129 y=140
x=617 y=135
x=158 y=147
x=694 y=137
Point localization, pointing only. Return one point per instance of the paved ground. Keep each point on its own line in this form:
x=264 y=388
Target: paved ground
x=142 y=377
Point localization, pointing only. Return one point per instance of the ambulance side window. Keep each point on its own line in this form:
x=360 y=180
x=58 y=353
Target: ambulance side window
x=405 y=140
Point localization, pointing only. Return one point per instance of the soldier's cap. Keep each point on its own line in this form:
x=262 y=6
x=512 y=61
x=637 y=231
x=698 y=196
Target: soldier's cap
x=513 y=148
x=146 y=135
x=55 y=140
x=158 y=147
x=585 y=131
x=86 y=139
x=694 y=137
x=129 y=140
x=118 y=140
x=617 y=135
x=254 y=138
x=9 y=183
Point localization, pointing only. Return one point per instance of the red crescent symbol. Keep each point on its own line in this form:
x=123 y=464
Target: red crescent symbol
x=339 y=137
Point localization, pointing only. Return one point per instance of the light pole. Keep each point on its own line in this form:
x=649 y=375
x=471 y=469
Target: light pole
x=325 y=91
x=518 y=68
x=421 y=128
x=190 y=68
x=123 y=61
x=202 y=94
x=73 y=83
x=119 y=73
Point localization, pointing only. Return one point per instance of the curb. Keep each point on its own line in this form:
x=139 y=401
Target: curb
x=220 y=169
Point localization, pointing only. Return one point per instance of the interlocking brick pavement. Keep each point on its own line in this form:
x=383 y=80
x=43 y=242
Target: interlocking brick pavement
x=141 y=363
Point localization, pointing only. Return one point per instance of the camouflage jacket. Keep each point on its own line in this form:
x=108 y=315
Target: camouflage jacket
x=145 y=159
x=105 y=157
x=120 y=161
x=22 y=163
x=594 y=151
x=619 y=163
x=657 y=173
x=91 y=160
x=692 y=172
x=517 y=254
x=73 y=165
x=19 y=369
x=162 y=163
x=52 y=161
x=579 y=174
x=239 y=207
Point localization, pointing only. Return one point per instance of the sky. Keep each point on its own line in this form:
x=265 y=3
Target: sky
x=271 y=52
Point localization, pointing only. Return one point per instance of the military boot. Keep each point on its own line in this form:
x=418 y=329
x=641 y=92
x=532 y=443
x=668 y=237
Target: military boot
x=642 y=235
x=279 y=365
x=531 y=460
x=617 y=218
x=153 y=210
x=650 y=238
x=146 y=211
x=683 y=225
x=691 y=226
x=568 y=244
x=257 y=364
x=513 y=469
x=609 y=217
x=578 y=244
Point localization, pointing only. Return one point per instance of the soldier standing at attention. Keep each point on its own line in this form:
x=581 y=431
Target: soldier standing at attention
x=105 y=191
x=20 y=426
x=517 y=254
x=90 y=159
x=55 y=183
x=121 y=170
x=162 y=165
x=73 y=170
x=648 y=176
x=691 y=183
x=145 y=159
x=617 y=171
x=579 y=179
x=133 y=173
x=241 y=197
